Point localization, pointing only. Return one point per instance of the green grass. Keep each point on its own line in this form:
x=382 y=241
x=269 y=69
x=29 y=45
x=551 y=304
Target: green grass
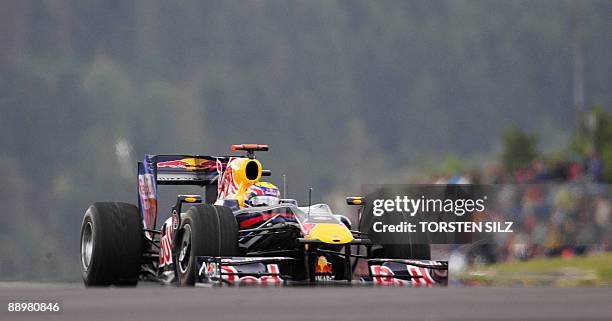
x=591 y=270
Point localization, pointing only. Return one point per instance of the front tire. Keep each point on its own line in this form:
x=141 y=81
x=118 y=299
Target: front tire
x=111 y=244
x=206 y=230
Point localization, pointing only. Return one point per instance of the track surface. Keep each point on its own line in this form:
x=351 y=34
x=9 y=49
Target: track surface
x=348 y=303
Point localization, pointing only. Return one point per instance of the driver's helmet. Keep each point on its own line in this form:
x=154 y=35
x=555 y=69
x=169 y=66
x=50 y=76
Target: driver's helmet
x=261 y=194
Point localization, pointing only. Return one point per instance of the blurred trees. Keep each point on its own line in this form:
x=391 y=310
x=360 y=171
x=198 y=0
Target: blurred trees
x=345 y=92
x=594 y=139
x=519 y=149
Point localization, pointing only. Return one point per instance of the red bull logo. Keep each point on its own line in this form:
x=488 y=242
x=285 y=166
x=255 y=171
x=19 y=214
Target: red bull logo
x=323 y=266
x=173 y=164
x=189 y=164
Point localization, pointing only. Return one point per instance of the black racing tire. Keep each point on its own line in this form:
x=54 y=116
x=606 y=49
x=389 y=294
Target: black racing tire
x=112 y=242
x=404 y=251
x=206 y=230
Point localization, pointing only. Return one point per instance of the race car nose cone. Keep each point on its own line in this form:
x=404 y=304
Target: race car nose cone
x=330 y=233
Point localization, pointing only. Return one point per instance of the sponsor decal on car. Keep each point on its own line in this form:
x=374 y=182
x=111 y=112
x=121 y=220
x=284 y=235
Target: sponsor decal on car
x=227 y=184
x=324 y=269
x=416 y=276
x=175 y=220
x=384 y=276
x=231 y=275
x=165 y=252
x=191 y=163
x=148 y=199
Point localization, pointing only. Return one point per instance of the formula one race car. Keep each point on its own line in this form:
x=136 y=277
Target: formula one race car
x=218 y=240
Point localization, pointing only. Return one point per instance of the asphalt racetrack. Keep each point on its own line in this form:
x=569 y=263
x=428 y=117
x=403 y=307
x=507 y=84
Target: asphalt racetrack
x=152 y=302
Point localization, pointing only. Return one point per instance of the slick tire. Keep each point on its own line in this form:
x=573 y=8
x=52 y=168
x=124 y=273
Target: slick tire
x=405 y=251
x=205 y=230
x=112 y=242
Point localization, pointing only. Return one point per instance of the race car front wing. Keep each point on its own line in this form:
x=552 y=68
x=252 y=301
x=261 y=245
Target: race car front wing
x=277 y=271
x=243 y=270
x=401 y=272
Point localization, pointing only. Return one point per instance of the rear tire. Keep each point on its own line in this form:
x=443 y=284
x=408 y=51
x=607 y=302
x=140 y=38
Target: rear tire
x=111 y=244
x=206 y=230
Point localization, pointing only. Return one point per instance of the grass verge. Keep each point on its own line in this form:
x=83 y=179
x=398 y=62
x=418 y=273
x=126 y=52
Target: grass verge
x=590 y=270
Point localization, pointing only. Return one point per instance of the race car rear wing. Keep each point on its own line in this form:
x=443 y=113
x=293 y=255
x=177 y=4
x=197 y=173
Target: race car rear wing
x=187 y=169
x=175 y=170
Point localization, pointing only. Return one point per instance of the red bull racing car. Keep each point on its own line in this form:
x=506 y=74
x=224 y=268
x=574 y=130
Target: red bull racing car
x=215 y=238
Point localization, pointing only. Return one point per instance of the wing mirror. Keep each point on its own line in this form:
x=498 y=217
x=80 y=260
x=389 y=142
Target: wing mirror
x=356 y=200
